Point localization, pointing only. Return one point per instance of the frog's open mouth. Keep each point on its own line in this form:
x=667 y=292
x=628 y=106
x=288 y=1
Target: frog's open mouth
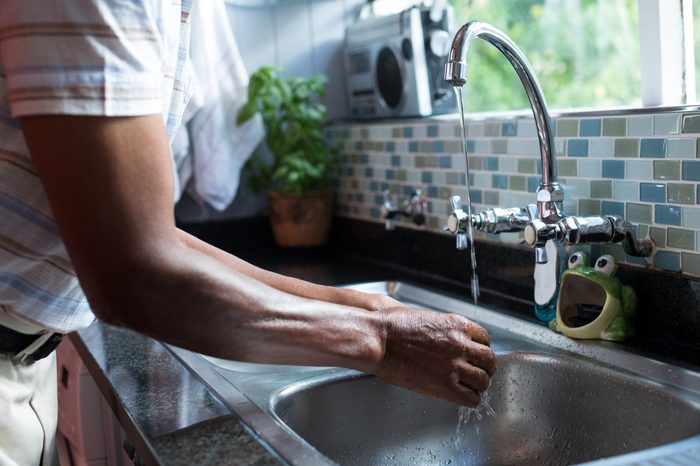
x=582 y=300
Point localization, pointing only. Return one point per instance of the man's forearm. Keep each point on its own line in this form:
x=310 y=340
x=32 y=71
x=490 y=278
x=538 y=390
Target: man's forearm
x=197 y=301
x=345 y=296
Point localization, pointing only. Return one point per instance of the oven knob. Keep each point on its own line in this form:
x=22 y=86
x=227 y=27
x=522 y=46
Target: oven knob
x=407 y=49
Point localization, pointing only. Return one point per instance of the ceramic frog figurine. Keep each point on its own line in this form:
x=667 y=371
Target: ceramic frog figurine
x=593 y=303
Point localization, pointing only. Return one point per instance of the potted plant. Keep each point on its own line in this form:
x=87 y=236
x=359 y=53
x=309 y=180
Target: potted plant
x=298 y=178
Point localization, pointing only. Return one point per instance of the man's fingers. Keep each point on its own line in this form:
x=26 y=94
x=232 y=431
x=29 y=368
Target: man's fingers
x=478 y=334
x=472 y=377
x=481 y=356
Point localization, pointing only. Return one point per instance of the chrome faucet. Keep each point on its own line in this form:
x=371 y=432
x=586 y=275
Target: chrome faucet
x=543 y=223
x=414 y=208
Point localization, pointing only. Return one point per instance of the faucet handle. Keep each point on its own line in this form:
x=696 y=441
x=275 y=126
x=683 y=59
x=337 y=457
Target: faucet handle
x=457 y=222
x=536 y=234
x=389 y=210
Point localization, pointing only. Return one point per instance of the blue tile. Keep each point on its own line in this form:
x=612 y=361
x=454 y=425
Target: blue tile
x=499 y=181
x=408 y=190
x=391 y=146
x=432 y=131
x=438 y=146
x=408 y=132
x=390 y=175
x=350 y=171
x=491 y=163
x=358 y=145
x=668 y=214
x=653 y=148
x=697 y=196
x=364 y=159
x=413 y=146
x=432 y=191
x=395 y=161
x=374 y=212
x=378 y=199
x=463 y=178
x=668 y=260
x=445 y=162
x=691 y=170
x=538 y=166
x=476 y=195
x=509 y=128
x=369 y=172
x=385 y=186
x=652 y=192
x=471 y=145
x=613 y=208
x=344 y=158
x=613 y=169
x=590 y=127
x=426 y=177
x=359 y=197
x=373 y=186
x=533 y=182
x=577 y=148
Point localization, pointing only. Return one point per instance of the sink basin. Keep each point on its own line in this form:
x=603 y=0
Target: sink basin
x=548 y=410
x=556 y=401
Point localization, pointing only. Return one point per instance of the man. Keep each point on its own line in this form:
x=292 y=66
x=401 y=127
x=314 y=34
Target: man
x=91 y=93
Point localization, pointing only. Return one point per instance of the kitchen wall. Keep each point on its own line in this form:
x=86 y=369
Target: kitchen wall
x=645 y=168
x=303 y=38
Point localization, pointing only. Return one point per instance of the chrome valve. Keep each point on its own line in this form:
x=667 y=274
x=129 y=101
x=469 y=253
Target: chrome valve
x=414 y=208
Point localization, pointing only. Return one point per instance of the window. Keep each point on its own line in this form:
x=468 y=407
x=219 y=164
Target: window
x=585 y=53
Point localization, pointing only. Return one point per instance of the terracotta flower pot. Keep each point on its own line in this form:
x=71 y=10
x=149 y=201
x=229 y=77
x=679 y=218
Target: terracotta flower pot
x=301 y=221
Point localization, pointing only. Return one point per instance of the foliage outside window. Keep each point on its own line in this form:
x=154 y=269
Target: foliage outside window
x=585 y=53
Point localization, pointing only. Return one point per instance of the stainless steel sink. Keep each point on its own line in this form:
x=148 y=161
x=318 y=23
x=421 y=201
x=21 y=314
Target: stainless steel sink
x=548 y=410
x=556 y=401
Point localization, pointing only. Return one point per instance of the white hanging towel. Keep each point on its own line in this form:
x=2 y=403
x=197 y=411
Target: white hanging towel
x=218 y=147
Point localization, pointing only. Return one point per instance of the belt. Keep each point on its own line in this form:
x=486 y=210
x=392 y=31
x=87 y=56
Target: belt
x=21 y=346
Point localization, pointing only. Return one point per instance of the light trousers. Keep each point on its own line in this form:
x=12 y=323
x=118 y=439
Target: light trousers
x=28 y=412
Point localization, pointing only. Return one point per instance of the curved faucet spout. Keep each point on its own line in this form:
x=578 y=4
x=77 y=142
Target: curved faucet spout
x=456 y=75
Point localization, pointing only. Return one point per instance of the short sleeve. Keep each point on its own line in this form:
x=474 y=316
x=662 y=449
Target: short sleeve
x=81 y=57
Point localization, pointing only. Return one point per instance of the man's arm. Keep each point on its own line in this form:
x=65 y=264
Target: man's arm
x=109 y=183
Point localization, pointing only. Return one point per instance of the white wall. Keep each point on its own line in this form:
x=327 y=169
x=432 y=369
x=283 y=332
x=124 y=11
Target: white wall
x=303 y=38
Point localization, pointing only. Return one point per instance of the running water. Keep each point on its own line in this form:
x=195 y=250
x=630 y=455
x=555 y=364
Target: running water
x=484 y=408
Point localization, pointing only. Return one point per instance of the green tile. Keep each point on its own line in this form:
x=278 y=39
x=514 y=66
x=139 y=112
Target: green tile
x=658 y=235
x=588 y=207
x=491 y=198
x=499 y=146
x=613 y=250
x=420 y=161
x=452 y=178
x=401 y=175
x=426 y=146
x=667 y=170
x=567 y=167
x=601 y=189
x=364 y=133
x=527 y=166
x=453 y=146
x=642 y=231
x=431 y=161
x=680 y=193
x=518 y=183
x=626 y=148
x=476 y=163
x=680 y=238
x=567 y=128
x=691 y=263
x=396 y=133
x=433 y=222
x=638 y=213
x=691 y=123
x=614 y=126
x=445 y=193
x=492 y=129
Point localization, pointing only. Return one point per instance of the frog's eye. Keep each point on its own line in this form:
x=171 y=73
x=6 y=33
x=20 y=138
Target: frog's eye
x=606 y=264
x=578 y=259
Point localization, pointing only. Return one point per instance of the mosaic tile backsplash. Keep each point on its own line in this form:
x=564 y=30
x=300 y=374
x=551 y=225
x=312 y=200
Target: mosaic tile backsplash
x=645 y=168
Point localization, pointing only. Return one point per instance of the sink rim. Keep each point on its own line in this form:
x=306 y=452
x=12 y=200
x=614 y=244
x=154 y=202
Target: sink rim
x=292 y=449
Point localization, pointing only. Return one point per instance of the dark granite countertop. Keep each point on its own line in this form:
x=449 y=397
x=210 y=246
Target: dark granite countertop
x=172 y=418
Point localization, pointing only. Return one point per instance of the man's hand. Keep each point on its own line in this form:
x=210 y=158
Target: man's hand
x=441 y=355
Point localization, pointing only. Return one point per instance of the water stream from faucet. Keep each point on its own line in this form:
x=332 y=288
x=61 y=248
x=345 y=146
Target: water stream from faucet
x=484 y=409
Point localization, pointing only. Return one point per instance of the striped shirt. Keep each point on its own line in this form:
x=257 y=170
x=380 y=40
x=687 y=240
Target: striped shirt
x=74 y=57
